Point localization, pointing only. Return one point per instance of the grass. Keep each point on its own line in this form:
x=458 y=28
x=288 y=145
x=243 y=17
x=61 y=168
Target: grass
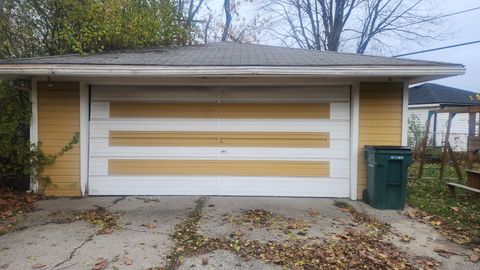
x=460 y=215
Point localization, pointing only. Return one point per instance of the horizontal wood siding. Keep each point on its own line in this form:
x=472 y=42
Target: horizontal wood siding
x=218 y=139
x=218 y=167
x=58 y=120
x=380 y=121
x=220 y=110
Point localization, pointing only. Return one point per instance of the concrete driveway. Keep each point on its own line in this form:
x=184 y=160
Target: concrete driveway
x=223 y=233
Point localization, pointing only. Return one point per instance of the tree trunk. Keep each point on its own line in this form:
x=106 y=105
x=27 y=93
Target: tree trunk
x=228 y=19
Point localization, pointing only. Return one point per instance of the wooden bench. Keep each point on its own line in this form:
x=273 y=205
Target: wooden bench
x=451 y=188
x=473 y=178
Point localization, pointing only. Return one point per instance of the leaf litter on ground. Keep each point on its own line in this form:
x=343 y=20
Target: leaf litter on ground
x=352 y=249
x=13 y=205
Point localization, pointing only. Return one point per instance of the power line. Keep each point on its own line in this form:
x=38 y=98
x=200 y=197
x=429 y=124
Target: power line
x=427 y=20
x=440 y=48
x=440 y=17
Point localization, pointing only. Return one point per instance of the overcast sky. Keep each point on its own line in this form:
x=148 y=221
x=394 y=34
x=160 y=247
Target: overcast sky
x=459 y=28
x=465 y=28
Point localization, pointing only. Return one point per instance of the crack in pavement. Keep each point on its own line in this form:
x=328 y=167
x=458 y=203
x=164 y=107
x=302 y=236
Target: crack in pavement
x=153 y=232
x=89 y=238
x=117 y=200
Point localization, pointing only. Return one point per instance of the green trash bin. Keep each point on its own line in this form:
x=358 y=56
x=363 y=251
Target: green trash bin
x=387 y=176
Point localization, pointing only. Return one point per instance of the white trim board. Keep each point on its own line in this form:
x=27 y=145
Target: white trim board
x=84 y=136
x=228 y=71
x=354 y=123
x=34 y=125
x=405 y=114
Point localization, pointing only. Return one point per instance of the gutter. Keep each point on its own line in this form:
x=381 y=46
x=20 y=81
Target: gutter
x=227 y=71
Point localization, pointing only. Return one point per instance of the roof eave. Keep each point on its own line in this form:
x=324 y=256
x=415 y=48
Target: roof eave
x=416 y=73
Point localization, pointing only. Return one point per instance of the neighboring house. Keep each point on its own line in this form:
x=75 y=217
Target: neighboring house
x=429 y=96
x=218 y=119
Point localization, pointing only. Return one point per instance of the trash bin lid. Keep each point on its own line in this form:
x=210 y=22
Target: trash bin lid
x=387 y=147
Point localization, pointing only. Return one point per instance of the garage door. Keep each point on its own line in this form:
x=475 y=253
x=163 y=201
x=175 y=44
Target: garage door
x=271 y=141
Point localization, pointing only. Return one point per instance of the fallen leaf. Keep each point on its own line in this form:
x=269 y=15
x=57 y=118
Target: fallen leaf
x=237 y=233
x=406 y=238
x=106 y=231
x=352 y=231
x=474 y=258
x=302 y=233
x=149 y=226
x=436 y=223
x=128 y=261
x=100 y=265
x=313 y=212
x=455 y=209
x=38 y=265
x=443 y=251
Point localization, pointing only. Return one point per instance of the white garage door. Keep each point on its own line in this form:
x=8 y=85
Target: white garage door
x=271 y=141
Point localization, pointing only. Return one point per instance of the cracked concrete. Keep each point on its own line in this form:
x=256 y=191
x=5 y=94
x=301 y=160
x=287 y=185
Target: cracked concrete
x=76 y=245
x=328 y=221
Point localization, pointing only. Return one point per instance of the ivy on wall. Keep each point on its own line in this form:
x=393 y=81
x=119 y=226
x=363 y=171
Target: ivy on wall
x=20 y=160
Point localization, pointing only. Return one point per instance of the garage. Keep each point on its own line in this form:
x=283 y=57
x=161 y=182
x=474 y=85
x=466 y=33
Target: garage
x=217 y=119
x=211 y=140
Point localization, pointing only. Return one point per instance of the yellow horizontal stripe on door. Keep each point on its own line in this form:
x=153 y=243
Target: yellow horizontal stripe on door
x=220 y=110
x=219 y=167
x=217 y=139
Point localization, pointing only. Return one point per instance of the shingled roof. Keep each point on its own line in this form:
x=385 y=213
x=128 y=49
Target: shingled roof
x=431 y=93
x=225 y=54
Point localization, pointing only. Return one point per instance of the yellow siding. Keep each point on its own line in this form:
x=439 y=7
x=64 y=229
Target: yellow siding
x=380 y=121
x=58 y=120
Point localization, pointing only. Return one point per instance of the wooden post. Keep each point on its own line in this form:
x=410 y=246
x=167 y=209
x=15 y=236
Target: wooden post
x=446 y=147
x=423 y=145
x=454 y=161
x=471 y=134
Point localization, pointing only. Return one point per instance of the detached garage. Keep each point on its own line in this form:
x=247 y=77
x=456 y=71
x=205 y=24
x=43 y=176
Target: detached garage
x=218 y=119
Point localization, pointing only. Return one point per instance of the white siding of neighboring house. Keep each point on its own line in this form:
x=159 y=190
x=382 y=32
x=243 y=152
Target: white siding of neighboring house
x=458 y=132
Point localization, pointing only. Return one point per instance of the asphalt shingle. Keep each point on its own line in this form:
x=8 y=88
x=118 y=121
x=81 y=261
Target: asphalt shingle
x=225 y=54
x=431 y=93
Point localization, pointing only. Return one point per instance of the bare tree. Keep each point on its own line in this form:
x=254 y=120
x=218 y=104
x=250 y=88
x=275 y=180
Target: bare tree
x=232 y=24
x=228 y=19
x=207 y=28
x=188 y=10
x=399 y=18
x=334 y=24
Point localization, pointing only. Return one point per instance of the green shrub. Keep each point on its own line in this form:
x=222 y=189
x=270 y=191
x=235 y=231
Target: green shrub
x=15 y=115
x=20 y=160
x=415 y=130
